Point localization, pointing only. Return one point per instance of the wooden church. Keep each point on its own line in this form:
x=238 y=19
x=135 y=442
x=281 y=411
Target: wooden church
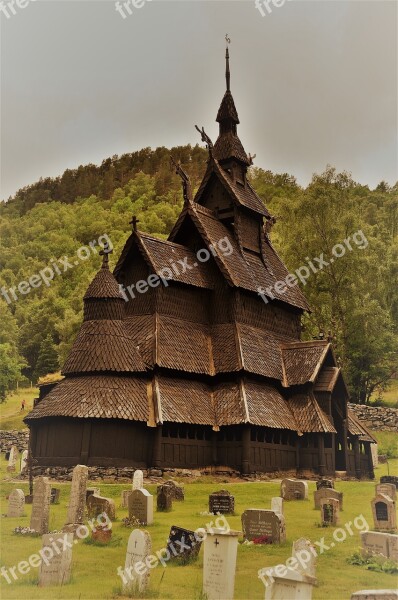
x=186 y=358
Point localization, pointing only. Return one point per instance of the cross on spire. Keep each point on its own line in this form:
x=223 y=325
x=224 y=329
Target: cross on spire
x=105 y=252
x=134 y=222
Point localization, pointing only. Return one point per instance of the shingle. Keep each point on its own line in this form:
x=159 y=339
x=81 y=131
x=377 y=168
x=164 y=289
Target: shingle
x=302 y=360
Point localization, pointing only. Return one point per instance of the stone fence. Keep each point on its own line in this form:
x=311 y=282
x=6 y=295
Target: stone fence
x=19 y=439
x=377 y=418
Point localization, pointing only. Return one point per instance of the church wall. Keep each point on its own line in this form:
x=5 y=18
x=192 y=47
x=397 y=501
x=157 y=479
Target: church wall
x=216 y=198
x=183 y=302
x=249 y=231
x=283 y=323
x=137 y=270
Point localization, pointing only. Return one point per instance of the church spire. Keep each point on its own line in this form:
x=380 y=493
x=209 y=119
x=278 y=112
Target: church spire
x=227 y=70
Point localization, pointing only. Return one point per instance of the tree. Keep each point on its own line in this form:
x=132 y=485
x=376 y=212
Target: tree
x=10 y=370
x=47 y=361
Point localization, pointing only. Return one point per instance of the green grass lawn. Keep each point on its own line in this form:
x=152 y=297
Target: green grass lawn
x=10 y=411
x=94 y=567
x=390 y=396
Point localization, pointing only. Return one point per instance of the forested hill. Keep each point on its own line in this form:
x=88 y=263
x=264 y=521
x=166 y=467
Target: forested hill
x=113 y=173
x=355 y=297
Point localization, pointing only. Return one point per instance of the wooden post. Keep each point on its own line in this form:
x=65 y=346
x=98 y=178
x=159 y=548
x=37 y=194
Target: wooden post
x=368 y=453
x=298 y=453
x=246 y=450
x=85 y=443
x=321 y=454
x=157 y=448
x=357 y=458
x=214 y=448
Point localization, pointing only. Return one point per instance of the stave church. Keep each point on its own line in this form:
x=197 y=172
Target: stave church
x=204 y=368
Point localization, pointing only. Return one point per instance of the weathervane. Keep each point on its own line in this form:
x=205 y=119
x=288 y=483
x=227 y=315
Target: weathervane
x=227 y=39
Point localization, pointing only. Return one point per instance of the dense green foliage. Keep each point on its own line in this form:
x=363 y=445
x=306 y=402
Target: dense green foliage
x=355 y=298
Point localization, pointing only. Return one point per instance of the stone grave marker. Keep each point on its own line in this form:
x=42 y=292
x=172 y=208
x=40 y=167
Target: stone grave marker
x=125 y=498
x=57 y=569
x=97 y=505
x=55 y=494
x=328 y=493
x=92 y=490
x=138 y=480
x=387 y=489
x=289 y=586
x=263 y=526
x=136 y=571
x=384 y=514
x=294 y=489
x=16 y=503
x=177 y=491
x=393 y=546
x=12 y=460
x=164 y=499
x=325 y=483
x=377 y=542
x=41 y=505
x=24 y=460
x=390 y=479
x=77 y=499
x=219 y=564
x=277 y=505
x=221 y=502
x=141 y=506
x=375 y=595
x=302 y=548
x=329 y=511
x=183 y=544
x=374 y=450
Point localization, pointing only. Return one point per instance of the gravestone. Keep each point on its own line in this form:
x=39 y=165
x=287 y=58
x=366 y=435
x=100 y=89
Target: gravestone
x=328 y=493
x=41 y=505
x=374 y=450
x=277 y=505
x=55 y=494
x=56 y=569
x=221 y=502
x=164 y=500
x=177 y=491
x=375 y=595
x=140 y=504
x=125 y=498
x=183 y=544
x=294 y=489
x=384 y=514
x=390 y=479
x=138 y=480
x=92 y=490
x=303 y=549
x=12 y=460
x=325 y=483
x=393 y=546
x=136 y=571
x=387 y=489
x=329 y=511
x=289 y=586
x=24 y=460
x=77 y=499
x=16 y=503
x=263 y=526
x=377 y=542
x=97 y=505
x=219 y=564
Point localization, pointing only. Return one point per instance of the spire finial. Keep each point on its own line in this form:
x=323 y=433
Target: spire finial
x=134 y=222
x=105 y=252
x=227 y=72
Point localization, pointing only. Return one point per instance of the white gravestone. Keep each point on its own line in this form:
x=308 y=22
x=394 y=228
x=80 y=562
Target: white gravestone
x=12 y=460
x=219 y=564
x=140 y=503
x=291 y=585
x=319 y=495
x=306 y=555
x=138 y=480
x=55 y=568
x=77 y=499
x=16 y=503
x=388 y=489
x=41 y=505
x=136 y=571
x=277 y=505
x=24 y=460
x=125 y=498
x=374 y=449
x=294 y=489
x=384 y=513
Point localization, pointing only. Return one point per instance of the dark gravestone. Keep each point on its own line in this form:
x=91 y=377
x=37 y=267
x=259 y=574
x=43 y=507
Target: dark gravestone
x=183 y=545
x=8 y=454
x=325 y=483
x=55 y=494
x=221 y=502
x=91 y=492
x=381 y=511
x=389 y=479
x=263 y=526
x=176 y=491
x=164 y=500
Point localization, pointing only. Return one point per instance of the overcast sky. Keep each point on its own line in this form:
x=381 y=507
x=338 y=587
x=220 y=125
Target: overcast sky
x=315 y=82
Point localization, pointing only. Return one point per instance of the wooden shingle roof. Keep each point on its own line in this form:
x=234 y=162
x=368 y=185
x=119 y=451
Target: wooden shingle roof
x=303 y=360
x=308 y=414
x=358 y=429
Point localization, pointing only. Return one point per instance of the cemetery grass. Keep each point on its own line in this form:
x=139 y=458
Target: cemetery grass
x=94 y=567
x=11 y=415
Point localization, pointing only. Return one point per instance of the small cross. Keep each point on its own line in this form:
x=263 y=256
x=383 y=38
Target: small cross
x=105 y=252
x=134 y=223
x=216 y=543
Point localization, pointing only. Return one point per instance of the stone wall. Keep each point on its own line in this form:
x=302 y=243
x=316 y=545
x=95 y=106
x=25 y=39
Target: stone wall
x=376 y=418
x=19 y=439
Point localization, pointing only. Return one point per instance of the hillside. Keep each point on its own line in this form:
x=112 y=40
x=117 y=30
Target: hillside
x=355 y=298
